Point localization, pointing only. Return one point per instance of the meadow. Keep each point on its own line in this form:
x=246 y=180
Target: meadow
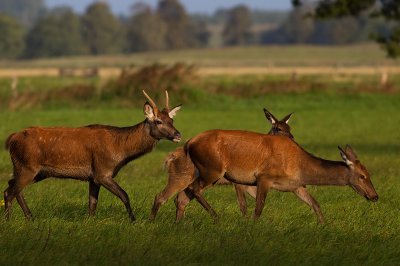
x=329 y=110
x=356 y=231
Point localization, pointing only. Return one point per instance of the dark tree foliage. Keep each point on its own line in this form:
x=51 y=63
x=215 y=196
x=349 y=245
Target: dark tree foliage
x=179 y=27
x=339 y=31
x=102 y=32
x=202 y=34
x=297 y=28
x=11 y=37
x=26 y=11
x=146 y=31
x=387 y=9
x=237 y=26
x=56 y=34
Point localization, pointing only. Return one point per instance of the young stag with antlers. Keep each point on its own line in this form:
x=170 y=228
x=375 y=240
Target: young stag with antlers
x=269 y=162
x=182 y=173
x=93 y=153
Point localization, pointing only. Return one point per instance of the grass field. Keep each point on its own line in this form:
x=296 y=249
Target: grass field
x=356 y=231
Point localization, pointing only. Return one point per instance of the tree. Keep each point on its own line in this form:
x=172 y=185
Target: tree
x=26 y=11
x=237 y=26
x=102 y=32
x=337 y=31
x=11 y=37
x=56 y=34
x=179 y=29
x=145 y=30
x=298 y=28
x=387 y=9
x=202 y=34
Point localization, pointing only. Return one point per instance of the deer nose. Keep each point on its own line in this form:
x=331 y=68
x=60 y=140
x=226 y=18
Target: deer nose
x=375 y=199
x=177 y=136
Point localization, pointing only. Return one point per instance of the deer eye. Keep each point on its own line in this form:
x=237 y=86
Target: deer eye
x=363 y=177
x=278 y=129
x=159 y=122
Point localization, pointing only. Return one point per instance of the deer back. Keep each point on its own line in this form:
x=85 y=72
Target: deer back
x=243 y=154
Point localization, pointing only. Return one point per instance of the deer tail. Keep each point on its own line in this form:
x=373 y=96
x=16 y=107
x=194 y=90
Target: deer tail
x=167 y=162
x=186 y=147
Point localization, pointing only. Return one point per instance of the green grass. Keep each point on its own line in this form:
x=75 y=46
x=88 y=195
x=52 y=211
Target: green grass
x=291 y=55
x=356 y=232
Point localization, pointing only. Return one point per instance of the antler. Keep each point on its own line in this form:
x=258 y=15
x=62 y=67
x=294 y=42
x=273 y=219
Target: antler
x=166 y=100
x=152 y=103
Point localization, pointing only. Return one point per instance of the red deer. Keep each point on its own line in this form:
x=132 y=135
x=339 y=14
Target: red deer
x=279 y=128
x=269 y=162
x=182 y=171
x=93 y=153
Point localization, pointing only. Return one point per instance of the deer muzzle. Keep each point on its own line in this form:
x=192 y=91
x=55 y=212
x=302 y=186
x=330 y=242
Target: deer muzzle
x=177 y=137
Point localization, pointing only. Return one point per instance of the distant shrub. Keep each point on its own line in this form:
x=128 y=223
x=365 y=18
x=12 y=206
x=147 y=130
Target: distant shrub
x=154 y=79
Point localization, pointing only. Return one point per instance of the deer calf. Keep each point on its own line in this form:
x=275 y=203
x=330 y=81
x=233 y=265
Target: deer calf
x=181 y=173
x=93 y=153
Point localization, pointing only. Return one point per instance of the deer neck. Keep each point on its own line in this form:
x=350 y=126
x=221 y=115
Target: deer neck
x=317 y=171
x=137 y=140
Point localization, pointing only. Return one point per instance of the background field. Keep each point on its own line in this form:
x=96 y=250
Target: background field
x=356 y=231
x=265 y=56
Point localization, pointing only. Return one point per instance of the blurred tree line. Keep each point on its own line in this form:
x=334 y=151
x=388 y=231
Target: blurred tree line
x=29 y=30
x=302 y=27
x=387 y=11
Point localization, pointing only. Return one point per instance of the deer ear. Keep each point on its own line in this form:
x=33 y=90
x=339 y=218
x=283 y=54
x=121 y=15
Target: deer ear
x=148 y=111
x=174 y=110
x=352 y=155
x=271 y=118
x=287 y=118
x=345 y=157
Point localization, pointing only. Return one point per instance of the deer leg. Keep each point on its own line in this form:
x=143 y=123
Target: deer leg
x=170 y=190
x=182 y=199
x=8 y=200
x=185 y=197
x=15 y=186
x=303 y=194
x=21 y=201
x=252 y=191
x=223 y=181
x=114 y=188
x=199 y=197
x=262 y=190
x=206 y=178
x=94 y=190
x=241 y=197
x=198 y=190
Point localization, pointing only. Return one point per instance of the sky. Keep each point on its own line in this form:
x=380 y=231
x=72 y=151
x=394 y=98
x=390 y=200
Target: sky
x=192 y=6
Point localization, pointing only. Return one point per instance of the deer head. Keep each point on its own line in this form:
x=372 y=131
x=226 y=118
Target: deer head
x=161 y=122
x=279 y=127
x=360 y=180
